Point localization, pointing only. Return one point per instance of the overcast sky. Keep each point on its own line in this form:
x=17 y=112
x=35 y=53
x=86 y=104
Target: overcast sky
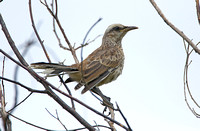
x=150 y=91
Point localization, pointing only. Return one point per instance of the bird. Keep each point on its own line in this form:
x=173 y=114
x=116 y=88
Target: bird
x=102 y=66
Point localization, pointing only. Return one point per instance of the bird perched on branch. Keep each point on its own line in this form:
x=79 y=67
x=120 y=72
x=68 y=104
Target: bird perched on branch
x=102 y=66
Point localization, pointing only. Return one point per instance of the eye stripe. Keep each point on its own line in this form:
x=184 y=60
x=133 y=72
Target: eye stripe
x=117 y=28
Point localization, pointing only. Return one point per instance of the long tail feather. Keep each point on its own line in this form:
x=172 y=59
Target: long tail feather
x=53 y=68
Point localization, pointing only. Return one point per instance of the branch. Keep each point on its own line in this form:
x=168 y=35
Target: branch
x=36 y=32
x=28 y=44
x=11 y=42
x=186 y=82
x=87 y=35
x=4 y=115
x=123 y=117
x=174 y=28
x=78 y=129
x=46 y=84
x=62 y=30
x=62 y=81
x=30 y=123
x=54 y=25
x=57 y=118
x=20 y=102
x=25 y=87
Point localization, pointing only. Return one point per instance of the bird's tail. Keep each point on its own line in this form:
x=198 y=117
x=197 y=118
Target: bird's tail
x=52 y=69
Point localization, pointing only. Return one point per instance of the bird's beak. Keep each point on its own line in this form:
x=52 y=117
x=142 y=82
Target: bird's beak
x=128 y=28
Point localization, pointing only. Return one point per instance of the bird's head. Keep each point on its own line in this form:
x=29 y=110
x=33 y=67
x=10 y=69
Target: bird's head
x=116 y=32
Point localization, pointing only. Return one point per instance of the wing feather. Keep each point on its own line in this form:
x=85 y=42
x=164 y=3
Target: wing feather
x=98 y=65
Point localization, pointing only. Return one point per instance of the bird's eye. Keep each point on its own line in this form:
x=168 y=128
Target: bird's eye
x=117 y=28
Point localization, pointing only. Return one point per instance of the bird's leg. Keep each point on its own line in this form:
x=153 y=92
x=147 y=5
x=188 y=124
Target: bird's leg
x=106 y=100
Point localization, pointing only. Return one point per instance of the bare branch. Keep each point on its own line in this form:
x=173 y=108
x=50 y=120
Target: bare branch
x=36 y=32
x=174 y=28
x=87 y=43
x=98 y=126
x=11 y=42
x=4 y=114
x=28 y=44
x=54 y=25
x=123 y=117
x=186 y=83
x=62 y=30
x=62 y=81
x=56 y=117
x=2 y=82
x=25 y=87
x=39 y=127
x=21 y=102
x=87 y=35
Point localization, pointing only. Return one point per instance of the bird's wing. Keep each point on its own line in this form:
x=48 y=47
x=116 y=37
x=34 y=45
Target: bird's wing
x=97 y=66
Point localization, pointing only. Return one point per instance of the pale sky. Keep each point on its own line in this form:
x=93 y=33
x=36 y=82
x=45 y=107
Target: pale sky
x=150 y=91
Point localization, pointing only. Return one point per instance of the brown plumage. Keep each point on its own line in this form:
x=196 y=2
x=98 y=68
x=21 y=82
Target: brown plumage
x=102 y=66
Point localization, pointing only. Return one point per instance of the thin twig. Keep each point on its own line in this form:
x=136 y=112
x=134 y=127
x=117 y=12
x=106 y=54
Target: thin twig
x=21 y=102
x=87 y=35
x=87 y=43
x=11 y=42
x=2 y=82
x=174 y=28
x=27 y=88
x=78 y=129
x=39 y=127
x=27 y=47
x=186 y=83
x=54 y=26
x=62 y=81
x=4 y=115
x=62 y=31
x=36 y=32
x=56 y=14
x=123 y=117
x=57 y=118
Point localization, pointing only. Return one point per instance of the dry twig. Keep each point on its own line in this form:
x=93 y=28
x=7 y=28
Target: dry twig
x=188 y=53
x=174 y=27
x=61 y=29
x=186 y=82
x=4 y=114
x=56 y=117
x=36 y=32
